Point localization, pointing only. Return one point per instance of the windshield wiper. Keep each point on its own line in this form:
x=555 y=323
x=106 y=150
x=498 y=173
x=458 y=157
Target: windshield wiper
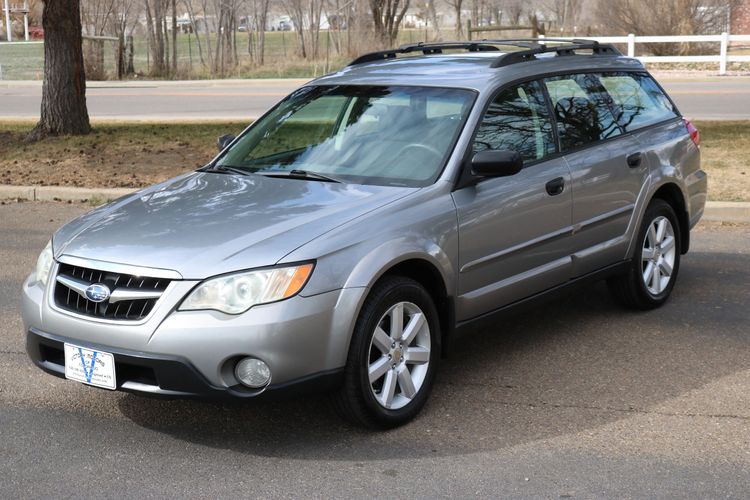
x=223 y=169
x=300 y=174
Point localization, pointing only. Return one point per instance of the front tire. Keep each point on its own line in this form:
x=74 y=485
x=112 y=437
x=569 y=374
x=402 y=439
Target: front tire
x=656 y=262
x=393 y=356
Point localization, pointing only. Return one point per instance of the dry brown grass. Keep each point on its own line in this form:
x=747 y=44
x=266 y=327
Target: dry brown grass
x=725 y=156
x=114 y=155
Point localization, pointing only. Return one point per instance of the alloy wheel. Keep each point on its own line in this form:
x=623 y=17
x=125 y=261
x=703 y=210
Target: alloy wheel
x=658 y=255
x=399 y=355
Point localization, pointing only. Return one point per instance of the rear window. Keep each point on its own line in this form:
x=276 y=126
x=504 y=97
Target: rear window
x=638 y=101
x=582 y=110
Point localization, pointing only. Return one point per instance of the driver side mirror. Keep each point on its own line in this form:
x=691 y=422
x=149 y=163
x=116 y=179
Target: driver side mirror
x=224 y=141
x=491 y=163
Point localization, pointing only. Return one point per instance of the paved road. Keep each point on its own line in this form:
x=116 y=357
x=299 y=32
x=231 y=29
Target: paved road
x=581 y=399
x=725 y=98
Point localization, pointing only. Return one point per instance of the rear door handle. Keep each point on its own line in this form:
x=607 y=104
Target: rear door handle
x=555 y=186
x=634 y=160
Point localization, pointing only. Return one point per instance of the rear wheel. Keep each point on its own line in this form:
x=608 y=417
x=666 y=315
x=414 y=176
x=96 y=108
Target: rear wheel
x=653 y=270
x=393 y=356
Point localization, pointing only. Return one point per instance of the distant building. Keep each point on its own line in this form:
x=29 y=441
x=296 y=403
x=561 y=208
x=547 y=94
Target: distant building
x=740 y=24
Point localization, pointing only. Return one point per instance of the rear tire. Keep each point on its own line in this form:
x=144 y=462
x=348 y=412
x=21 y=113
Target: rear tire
x=653 y=271
x=393 y=356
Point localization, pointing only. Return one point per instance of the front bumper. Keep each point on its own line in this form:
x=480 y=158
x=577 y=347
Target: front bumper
x=193 y=353
x=169 y=376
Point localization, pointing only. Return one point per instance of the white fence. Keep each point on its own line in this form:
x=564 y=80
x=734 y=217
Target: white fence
x=722 y=58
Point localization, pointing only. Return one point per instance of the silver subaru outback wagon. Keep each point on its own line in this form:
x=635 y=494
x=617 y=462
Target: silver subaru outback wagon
x=345 y=237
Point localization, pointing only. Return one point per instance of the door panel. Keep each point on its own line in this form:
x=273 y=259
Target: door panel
x=514 y=231
x=605 y=190
x=608 y=169
x=514 y=238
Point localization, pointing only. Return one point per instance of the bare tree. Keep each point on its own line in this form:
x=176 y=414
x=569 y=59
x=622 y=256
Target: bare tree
x=256 y=24
x=196 y=29
x=64 y=88
x=457 y=6
x=295 y=9
x=174 y=37
x=665 y=17
x=432 y=15
x=314 y=16
x=125 y=16
x=565 y=12
x=515 y=10
x=225 y=49
x=387 y=16
x=154 y=10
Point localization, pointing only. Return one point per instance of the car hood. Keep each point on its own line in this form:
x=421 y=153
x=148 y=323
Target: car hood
x=203 y=224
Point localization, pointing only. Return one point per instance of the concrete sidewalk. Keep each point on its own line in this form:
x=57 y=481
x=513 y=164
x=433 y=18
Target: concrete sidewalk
x=61 y=193
x=723 y=211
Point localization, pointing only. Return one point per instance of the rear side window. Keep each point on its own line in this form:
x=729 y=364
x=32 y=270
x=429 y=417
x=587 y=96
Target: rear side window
x=518 y=119
x=582 y=110
x=638 y=100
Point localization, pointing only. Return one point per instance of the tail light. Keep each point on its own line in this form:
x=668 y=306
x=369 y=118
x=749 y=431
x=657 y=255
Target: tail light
x=694 y=134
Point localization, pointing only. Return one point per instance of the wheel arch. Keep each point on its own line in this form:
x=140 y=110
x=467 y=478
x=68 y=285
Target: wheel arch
x=671 y=193
x=427 y=273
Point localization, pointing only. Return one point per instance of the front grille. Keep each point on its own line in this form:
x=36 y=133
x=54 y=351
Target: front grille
x=134 y=309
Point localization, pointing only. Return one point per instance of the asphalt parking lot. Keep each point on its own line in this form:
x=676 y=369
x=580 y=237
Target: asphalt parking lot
x=577 y=399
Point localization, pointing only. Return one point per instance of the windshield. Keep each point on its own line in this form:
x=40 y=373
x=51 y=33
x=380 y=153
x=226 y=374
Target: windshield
x=398 y=136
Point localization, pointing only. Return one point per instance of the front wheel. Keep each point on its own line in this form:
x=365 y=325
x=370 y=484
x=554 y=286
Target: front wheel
x=653 y=270
x=394 y=352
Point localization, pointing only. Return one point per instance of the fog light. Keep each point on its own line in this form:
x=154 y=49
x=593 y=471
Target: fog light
x=252 y=372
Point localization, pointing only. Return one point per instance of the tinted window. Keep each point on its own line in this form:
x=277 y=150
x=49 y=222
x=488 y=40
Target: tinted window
x=638 y=101
x=518 y=119
x=582 y=110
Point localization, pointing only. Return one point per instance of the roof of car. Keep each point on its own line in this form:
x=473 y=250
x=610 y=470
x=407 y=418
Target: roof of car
x=471 y=70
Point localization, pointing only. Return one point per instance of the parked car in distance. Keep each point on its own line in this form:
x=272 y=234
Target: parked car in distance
x=346 y=236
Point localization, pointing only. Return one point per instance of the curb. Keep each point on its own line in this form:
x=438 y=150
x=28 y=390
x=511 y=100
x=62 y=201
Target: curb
x=61 y=193
x=727 y=211
x=724 y=211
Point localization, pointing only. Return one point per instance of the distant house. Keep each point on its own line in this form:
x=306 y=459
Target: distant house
x=740 y=23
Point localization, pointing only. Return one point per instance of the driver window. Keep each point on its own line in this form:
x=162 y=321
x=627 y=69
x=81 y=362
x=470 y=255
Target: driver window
x=518 y=119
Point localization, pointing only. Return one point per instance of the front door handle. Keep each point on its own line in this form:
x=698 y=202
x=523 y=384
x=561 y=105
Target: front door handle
x=555 y=186
x=634 y=160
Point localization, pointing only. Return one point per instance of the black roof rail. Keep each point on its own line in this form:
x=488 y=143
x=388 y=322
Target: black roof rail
x=530 y=47
x=566 y=49
x=425 y=48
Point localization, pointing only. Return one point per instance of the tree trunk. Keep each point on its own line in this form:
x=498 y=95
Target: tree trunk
x=457 y=5
x=64 y=89
x=129 y=67
x=174 y=37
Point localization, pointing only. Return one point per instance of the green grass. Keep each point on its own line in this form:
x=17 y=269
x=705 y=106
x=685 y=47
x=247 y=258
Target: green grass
x=26 y=61
x=22 y=61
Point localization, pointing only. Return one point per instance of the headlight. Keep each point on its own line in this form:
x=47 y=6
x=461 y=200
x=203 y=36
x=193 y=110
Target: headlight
x=44 y=264
x=236 y=293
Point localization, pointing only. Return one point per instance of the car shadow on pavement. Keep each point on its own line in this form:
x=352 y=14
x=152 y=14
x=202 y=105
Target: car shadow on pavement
x=570 y=365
